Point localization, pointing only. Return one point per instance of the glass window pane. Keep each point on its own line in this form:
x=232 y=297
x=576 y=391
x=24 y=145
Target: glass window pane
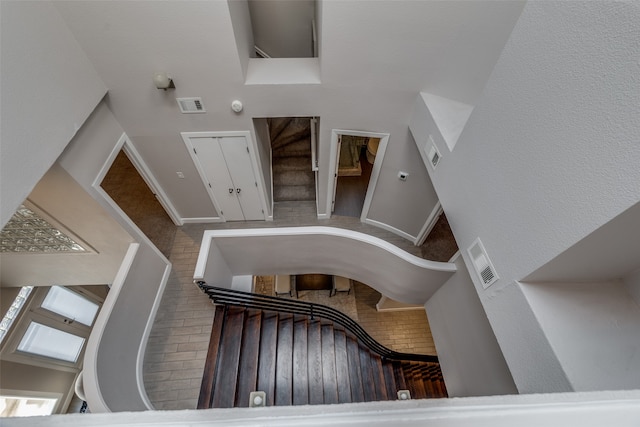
x=51 y=342
x=70 y=305
x=14 y=406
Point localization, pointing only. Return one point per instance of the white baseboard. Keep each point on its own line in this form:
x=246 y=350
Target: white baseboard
x=203 y=220
x=390 y=229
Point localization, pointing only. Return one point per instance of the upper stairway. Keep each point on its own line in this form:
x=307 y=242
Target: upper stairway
x=293 y=178
x=300 y=360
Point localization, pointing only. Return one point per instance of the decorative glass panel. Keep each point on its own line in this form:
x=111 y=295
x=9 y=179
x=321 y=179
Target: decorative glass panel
x=13 y=311
x=50 y=342
x=70 y=305
x=27 y=232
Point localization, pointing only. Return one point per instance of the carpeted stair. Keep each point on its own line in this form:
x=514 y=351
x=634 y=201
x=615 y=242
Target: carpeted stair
x=293 y=179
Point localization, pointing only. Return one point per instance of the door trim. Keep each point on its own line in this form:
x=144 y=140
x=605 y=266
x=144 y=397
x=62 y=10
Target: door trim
x=124 y=144
x=375 y=173
x=253 y=150
x=429 y=224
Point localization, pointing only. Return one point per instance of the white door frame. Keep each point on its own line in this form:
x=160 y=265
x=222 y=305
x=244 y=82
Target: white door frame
x=429 y=224
x=124 y=144
x=375 y=173
x=253 y=150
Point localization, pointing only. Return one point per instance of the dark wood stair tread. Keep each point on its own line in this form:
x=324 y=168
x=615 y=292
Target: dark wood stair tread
x=298 y=360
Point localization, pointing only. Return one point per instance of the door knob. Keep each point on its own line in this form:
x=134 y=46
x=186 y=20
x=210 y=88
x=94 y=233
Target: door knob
x=231 y=191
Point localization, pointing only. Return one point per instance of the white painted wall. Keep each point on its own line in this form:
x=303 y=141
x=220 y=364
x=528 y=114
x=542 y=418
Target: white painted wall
x=119 y=350
x=528 y=175
x=49 y=87
x=370 y=75
x=61 y=197
x=471 y=360
x=405 y=205
x=594 y=330
x=632 y=283
x=241 y=19
x=282 y=28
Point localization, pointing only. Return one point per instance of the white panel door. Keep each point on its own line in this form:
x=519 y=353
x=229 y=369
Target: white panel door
x=236 y=154
x=213 y=165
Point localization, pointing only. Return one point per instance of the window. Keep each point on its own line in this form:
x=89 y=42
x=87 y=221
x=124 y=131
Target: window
x=71 y=305
x=54 y=329
x=19 y=406
x=14 y=310
x=51 y=342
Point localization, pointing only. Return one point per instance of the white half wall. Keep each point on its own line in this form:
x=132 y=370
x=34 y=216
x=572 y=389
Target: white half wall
x=49 y=88
x=594 y=329
x=320 y=250
x=118 y=352
x=471 y=360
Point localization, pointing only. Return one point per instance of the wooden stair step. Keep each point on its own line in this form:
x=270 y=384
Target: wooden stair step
x=389 y=380
x=226 y=379
x=342 y=366
x=314 y=358
x=267 y=357
x=300 y=363
x=355 y=371
x=284 y=356
x=329 y=377
x=206 y=387
x=366 y=369
x=249 y=353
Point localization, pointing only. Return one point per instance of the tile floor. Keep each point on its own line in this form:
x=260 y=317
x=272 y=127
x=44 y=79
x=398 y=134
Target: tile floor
x=177 y=348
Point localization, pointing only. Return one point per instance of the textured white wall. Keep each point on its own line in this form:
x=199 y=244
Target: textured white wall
x=120 y=347
x=550 y=154
x=60 y=196
x=470 y=358
x=594 y=329
x=632 y=283
x=49 y=88
x=283 y=28
x=368 y=83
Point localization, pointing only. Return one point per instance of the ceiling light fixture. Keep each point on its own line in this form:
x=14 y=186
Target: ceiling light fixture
x=163 y=81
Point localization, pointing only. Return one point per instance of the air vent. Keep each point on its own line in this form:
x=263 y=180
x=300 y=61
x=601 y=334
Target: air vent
x=483 y=266
x=433 y=154
x=191 y=105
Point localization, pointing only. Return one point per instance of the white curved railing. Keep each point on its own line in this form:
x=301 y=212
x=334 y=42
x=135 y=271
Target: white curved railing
x=226 y=254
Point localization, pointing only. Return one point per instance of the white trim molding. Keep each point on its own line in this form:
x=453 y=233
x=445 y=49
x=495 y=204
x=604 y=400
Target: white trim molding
x=125 y=144
x=431 y=221
x=375 y=173
x=203 y=220
x=390 y=228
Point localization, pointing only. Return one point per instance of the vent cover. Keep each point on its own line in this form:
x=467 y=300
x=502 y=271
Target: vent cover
x=483 y=266
x=433 y=154
x=191 y=105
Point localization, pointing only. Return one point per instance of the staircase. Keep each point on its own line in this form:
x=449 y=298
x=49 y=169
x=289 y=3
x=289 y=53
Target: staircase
x=293 y=179
x=299 y=360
